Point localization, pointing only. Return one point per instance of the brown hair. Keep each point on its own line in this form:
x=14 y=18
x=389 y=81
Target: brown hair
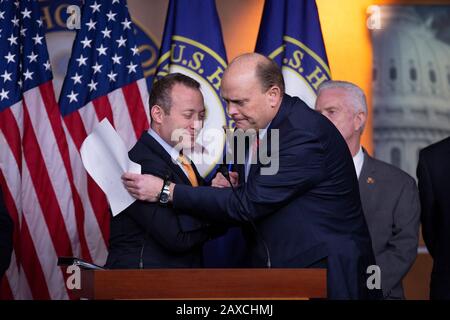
x=161 y=90
x=269 y=74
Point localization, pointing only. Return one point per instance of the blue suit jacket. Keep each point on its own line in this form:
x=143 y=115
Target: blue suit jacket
x=162 y=236
x=433 y=172
x=308 y=211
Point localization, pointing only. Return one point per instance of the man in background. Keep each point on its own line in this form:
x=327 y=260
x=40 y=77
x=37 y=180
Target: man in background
x=433 y=173
x=389 y=196
x=6 y=237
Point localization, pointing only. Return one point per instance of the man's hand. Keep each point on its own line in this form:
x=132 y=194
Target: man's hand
x=143 y=187
x=219 y=180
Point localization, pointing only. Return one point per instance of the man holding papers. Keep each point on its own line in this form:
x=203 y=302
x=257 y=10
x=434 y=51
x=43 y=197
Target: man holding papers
x=155 y=235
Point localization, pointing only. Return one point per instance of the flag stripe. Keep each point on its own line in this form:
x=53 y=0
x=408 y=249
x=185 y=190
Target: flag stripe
x=12 y=134
x=47 y=95
x=136 y=108
x=76 y=129
x=103 y=109
x=52 y=160
x=100 y=207
x=42 y=238
x=5 y=289
x=30 y=262
x=10 y=173
x=88 y=117
x=142 y=85
x=122 y=120
x=40 y=179
x=10 y=288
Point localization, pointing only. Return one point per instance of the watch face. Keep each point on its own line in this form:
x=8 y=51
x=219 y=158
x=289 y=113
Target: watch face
x=164 y=198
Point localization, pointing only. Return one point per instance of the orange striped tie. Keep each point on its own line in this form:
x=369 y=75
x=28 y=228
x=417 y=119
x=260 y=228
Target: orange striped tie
x=190 y=171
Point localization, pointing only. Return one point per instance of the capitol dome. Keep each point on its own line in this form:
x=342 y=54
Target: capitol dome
x=411 y=87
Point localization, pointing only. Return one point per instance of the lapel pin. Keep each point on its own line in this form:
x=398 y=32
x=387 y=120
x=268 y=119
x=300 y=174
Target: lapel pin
x=370 y=180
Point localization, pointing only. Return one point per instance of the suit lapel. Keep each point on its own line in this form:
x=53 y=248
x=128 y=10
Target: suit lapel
x=367 y=178
x=283 y=112
x=153 y=145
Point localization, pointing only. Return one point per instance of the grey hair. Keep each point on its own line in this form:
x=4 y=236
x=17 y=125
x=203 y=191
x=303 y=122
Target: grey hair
x=357 y=96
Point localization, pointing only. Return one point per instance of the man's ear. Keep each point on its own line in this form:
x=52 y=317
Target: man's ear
x=274 y=95
x=360 y=121
x=157 y=114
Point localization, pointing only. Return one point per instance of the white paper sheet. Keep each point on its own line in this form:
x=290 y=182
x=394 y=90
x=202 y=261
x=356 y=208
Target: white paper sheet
x=105 y=158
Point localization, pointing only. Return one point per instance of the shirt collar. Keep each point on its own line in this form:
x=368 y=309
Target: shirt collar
x=262 y=132
x=358 y=161
x=169 y=149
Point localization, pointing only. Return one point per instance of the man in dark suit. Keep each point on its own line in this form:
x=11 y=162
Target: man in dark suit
x=389 y=196
x=6 y=237
x=433 y=172
x=149 y=235
x=308 y=212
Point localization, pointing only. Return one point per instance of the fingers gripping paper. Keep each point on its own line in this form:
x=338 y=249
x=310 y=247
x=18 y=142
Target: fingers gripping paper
x=105 y=158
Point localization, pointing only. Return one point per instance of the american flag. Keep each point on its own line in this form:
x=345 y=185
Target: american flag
x=35 y=169
x=57 y=212
x=104 y=80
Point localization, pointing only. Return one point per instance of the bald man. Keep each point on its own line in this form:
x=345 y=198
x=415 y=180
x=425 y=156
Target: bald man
x=307 y=214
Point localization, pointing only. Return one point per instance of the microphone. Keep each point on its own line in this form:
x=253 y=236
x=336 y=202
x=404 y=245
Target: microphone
x=223 y=169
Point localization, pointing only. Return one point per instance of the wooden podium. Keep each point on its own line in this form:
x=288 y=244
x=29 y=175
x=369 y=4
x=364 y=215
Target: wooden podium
x=203 y=284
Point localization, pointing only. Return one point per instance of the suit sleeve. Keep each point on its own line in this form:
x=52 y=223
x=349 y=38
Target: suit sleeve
x=428 y=203
x=300 y=166
x=6 y=237
x=163 y=224
x=401 y=252
x=175 y=231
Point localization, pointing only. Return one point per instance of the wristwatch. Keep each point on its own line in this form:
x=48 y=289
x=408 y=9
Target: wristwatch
x=165 y=193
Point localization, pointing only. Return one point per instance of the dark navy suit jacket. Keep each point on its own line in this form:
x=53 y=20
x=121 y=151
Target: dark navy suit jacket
x=433 y=172
x=308 y=211
x=162 y=236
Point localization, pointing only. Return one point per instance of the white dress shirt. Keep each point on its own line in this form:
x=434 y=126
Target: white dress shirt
x=174 y=154
x=358 y=161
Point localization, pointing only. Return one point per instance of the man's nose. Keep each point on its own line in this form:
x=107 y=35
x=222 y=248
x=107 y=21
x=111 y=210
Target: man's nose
x=232 y=110
x=195 y=125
